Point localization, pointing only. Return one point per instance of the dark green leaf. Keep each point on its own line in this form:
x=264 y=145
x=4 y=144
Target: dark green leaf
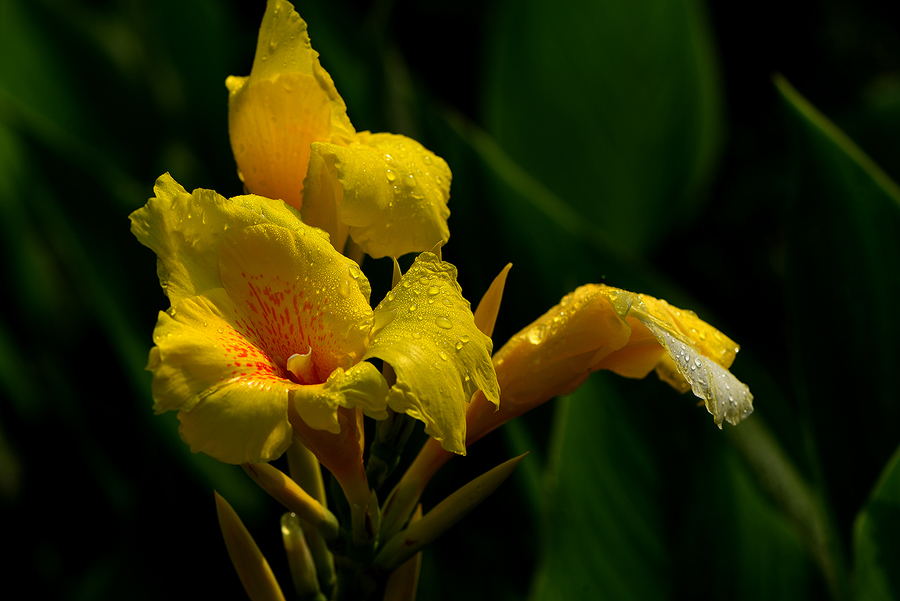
x=877 y=538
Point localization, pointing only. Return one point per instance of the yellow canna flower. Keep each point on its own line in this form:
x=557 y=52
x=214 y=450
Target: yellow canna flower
x=600 y=327
x=292 y=140
x=268 y=321
x=595 y=327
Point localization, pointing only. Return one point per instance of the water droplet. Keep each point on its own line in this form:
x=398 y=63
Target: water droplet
x=390 y=296
x=328 y=317
x=412 y=307
x=443 y=322
x=426 y=159
x=416 y=335
x=443 y=355
x=344 y=288
x=355 y=272
x=411 y=181
x=537 y=333
x=464 y=339
x=391 y=175
x=433 y=290
x=459 y=346
x=447 y=302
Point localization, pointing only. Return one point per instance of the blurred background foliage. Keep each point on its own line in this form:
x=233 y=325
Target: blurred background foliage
x=642 y=144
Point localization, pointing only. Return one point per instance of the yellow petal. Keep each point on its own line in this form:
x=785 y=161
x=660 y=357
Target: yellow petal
x=185 y=231
x=287 y=102
x=393 y=193
x=299 y=295
x=425 y=330
x=360 y=386
x=554 y=354
x=231 y=397
x=599 y=327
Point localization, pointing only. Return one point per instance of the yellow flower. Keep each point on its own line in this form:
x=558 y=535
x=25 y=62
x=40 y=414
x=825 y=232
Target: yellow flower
x=267 y=320
x=600 y=327
x=292 y=140
x=595 y=327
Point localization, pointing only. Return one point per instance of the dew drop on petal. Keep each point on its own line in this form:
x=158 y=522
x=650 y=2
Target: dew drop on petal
x=443 y=322
x=537 y=333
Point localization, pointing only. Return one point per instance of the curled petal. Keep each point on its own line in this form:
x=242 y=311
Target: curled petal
x=185 y=231
x=360 y=386
x=425 y=330
x=393 y=193
x=697 y=358
x=599 y=327
x=232 y=399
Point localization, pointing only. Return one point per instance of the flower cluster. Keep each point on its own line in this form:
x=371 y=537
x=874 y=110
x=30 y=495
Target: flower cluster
x=271 y=343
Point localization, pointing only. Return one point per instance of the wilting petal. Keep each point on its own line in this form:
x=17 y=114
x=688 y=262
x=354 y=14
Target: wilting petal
x=287 y=102
x=231 y=397
x=599 y=327
x=393 y=193
x=425 y=330
x=697 y=358
x=300 y=296
x=185 y=231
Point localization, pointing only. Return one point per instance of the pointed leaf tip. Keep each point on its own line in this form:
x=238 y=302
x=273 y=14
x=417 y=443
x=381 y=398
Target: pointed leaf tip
x=447 y=513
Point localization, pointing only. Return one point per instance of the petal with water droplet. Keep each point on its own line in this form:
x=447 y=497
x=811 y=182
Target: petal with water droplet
x=287 y=102
x=435 y=380
x=188 y=248
x=392 y=200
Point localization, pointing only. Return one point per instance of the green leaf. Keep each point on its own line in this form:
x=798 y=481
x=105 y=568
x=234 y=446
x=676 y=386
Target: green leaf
x=603 y=530
x=841 y=261
x=613 y=106
x=877 y=538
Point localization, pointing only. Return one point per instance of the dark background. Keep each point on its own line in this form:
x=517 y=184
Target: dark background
x=630 y=491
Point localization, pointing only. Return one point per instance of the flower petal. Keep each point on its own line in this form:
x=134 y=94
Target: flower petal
x=600 y=327
x=231 y=397
x=299 y=294
x=287 y=102
x=425 y=330
x=697 y=357
x=555 y=354
x=185 y=230
x=360 y=386
x=393 y=193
